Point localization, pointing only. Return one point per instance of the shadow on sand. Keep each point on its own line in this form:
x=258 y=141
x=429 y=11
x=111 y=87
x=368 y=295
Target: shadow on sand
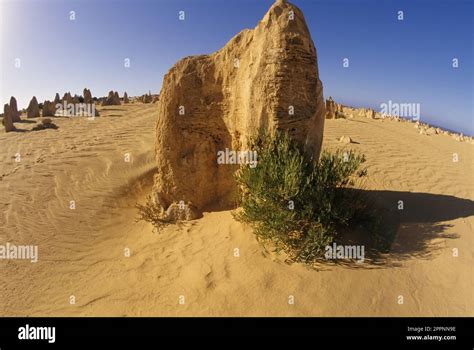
x=412 y=232
x=38 y=127
x=26 y=121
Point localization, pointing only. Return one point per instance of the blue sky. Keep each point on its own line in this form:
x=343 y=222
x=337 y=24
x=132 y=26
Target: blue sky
x=407 y=61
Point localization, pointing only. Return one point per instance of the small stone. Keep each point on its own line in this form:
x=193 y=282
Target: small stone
x=179 y=212
x=345 y=139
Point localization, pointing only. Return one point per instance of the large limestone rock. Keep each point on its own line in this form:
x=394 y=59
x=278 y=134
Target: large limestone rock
x=125 y=98
x=87 y=96
x=33 y=110
x=112 y=99
x=14 y=110
x=8 y=118
x=212 y=102
x=57 y=99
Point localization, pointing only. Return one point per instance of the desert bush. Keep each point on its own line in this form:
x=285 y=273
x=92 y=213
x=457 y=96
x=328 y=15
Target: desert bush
x=298 y=203
x=152 y=213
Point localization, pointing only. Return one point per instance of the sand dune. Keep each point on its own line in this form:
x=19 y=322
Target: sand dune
x=81 y=251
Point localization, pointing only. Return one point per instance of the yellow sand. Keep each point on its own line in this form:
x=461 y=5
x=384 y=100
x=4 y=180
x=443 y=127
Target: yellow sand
x=82 y=251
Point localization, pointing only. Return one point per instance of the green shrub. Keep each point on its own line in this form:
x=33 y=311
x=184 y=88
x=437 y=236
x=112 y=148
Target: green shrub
x=297 y=203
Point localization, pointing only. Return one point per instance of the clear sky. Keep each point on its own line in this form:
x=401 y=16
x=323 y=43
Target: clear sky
x=407 y=61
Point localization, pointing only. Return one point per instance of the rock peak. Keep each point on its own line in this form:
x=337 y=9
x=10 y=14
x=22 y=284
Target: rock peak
x=284 y=18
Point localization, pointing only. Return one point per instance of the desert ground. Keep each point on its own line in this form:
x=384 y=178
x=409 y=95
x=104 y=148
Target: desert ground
x=191 y=269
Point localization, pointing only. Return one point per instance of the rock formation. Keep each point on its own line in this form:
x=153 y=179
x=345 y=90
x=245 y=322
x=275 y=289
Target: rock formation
x=146 y=98
x=112 y=99
x=212 y=102
x=125 y=97
x=87 y=96
x=67 y=98
x=340 y=111
x=334 y=110
x=49 y=109
x=370 y=114
x=348 y=111
x=14 y=110
x=366 y=113
x=57 y=99
x=330 y=108
x=8 y=118
x=33 y=110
